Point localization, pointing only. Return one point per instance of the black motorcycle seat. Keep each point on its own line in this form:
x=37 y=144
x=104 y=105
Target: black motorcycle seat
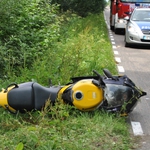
x=31 y=96
x=42 y=94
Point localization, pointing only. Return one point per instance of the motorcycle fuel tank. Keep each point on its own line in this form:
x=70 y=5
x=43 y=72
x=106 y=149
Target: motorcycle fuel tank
x=86 y=95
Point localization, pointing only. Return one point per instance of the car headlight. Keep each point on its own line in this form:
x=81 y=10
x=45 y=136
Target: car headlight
x=131 y=28
x=120 y=20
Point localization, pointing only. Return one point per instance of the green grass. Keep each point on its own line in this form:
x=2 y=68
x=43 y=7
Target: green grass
x=69 y=129
x=84 y=45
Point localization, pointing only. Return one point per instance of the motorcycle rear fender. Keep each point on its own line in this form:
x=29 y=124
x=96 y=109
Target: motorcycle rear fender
x=4 y=100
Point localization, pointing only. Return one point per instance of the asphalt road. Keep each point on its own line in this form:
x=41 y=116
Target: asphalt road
x=135 y=63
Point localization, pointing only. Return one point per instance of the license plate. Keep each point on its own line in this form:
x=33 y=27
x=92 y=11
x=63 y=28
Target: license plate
x=146 y=37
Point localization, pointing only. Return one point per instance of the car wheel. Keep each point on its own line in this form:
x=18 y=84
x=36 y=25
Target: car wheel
x=127 y=44
x=112 y=28
x=116 y=30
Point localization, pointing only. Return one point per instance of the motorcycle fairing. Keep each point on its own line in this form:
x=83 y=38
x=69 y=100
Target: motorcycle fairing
x=117 y=94
x=120 y=94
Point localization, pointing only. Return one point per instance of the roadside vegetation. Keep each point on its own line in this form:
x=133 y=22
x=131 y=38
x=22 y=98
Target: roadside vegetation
x=40 y=42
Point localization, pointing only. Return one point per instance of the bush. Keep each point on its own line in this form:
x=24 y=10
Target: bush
x=28 y=29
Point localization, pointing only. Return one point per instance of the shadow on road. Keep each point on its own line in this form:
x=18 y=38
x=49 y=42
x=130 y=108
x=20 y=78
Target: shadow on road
x=145 y=47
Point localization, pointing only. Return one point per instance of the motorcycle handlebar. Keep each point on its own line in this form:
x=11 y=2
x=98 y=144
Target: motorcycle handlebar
x=101 y=82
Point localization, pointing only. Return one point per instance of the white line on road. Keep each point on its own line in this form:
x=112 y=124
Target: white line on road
x=116 y=52
x=121 y=69
x=118 y=59
x=136 y=127
x=112 y=42
x=114 y=47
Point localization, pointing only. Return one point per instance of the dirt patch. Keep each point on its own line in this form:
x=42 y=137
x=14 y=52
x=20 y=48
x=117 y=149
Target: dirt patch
x=143 y=142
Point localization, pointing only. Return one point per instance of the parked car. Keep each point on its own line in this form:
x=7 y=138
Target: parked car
x=138 y=27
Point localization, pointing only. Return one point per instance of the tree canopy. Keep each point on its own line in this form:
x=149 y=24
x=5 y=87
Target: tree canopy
x=81 y=7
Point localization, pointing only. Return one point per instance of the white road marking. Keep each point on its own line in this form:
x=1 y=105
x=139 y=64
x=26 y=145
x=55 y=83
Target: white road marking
x=114 y=47
x=121 y=69
x=136 y=127
x=112 y=42
x=118 y=59
x=116 y=52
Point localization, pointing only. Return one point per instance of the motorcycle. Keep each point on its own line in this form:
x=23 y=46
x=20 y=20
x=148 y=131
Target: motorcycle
x=87 y=93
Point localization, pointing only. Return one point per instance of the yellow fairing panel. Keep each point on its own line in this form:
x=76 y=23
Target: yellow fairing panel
x=86 y=96
x=4 y=100
x=61 y=92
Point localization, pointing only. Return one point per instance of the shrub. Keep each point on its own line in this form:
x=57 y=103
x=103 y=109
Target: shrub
x=28 y=28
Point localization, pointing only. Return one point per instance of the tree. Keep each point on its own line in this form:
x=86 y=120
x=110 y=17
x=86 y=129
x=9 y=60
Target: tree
x=81 y=7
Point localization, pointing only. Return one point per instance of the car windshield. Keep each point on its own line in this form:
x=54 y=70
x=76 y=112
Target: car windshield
x=141 y=15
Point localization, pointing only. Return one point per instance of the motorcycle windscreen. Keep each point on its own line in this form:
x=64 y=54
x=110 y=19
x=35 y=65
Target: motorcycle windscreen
x=120 y=95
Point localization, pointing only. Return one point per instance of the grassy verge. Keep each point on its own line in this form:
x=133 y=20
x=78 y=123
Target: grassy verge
x=62 y=128
x=84 y=45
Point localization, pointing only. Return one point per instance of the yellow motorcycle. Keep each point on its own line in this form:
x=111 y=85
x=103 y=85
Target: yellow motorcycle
x=87 y=93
